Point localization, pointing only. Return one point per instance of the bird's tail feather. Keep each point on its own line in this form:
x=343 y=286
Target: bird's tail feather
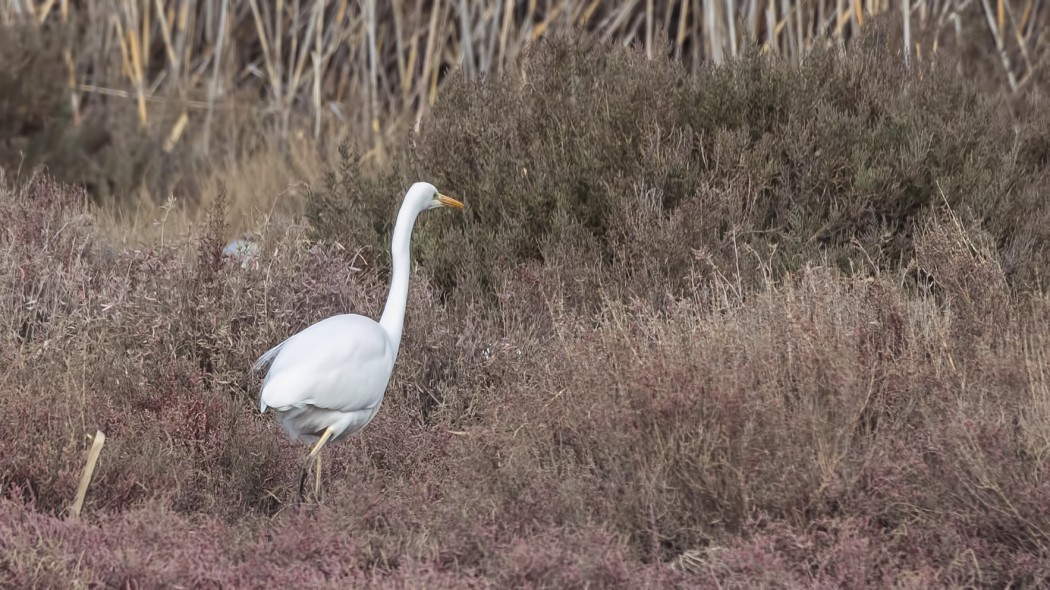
x=267 y=357
x=264 y=360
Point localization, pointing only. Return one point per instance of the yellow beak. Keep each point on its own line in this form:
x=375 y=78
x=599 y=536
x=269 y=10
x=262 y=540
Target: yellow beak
x=449 y=202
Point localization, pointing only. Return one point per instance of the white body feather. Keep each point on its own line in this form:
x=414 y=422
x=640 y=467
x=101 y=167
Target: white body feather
x=333 y=373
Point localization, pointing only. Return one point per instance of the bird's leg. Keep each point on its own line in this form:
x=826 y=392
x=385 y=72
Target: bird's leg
x=315 y=452
x=302 y=478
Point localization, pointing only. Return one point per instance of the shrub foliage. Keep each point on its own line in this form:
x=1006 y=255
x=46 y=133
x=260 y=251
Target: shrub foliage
x=642 y=177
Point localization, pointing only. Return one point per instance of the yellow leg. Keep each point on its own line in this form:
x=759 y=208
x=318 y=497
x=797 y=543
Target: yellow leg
x=314 y=453
x=324 y=438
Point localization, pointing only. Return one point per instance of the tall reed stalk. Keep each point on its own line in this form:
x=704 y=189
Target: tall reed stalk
x=323 y=63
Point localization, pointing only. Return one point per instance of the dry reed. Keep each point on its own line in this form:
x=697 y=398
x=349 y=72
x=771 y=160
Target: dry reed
x=376 y=66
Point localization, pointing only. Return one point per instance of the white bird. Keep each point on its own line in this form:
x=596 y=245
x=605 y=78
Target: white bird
x=327 y=382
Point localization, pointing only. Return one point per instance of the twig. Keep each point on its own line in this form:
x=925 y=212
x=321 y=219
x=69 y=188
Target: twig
x=89 y=470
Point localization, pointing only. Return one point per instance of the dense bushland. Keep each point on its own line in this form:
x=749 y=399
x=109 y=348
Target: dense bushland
x=773 y=326
x=629 y=176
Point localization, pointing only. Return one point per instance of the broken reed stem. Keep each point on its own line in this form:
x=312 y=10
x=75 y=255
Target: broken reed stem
x=316 y=59
x=906 y=13
x=1000 y=45
x=213 y=89
x=89 y=470
x=176 y=132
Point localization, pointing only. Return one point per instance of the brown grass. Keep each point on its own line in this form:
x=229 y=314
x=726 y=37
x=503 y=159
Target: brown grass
x=697 y=337
x=828 y=430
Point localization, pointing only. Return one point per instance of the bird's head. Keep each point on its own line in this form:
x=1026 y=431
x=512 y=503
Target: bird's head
x=423 y=196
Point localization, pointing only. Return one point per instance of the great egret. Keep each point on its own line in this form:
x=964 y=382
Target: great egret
x=327 y=382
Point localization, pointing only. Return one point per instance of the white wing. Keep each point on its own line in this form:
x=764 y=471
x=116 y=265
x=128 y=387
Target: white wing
x=342 y=363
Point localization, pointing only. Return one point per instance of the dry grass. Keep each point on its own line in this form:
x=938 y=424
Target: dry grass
x=829 y=430
x=697 y=337
x=271 y=182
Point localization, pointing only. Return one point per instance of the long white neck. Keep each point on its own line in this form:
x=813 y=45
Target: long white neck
x=393 y=319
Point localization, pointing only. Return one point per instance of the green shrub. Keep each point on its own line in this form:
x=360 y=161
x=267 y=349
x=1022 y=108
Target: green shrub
x=626 y=174
x=108 y=152
x=34 y=101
